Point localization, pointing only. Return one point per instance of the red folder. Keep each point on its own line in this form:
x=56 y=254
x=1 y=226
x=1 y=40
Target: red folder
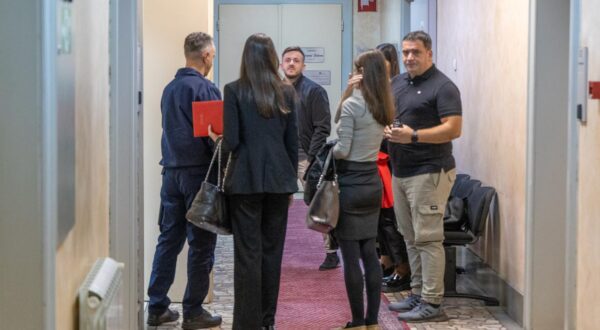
x=206 y=113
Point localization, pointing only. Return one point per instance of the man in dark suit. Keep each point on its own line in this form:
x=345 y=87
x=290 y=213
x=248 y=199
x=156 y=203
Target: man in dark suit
x=185 y=161
x=314 y=126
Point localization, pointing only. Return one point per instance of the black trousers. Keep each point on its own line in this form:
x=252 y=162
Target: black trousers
x=259 y=224
x=391 y=242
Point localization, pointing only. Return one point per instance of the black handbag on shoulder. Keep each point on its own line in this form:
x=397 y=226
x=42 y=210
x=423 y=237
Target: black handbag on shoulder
x=209 y=208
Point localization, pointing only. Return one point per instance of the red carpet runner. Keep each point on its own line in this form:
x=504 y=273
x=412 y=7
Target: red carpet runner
x=309 y=298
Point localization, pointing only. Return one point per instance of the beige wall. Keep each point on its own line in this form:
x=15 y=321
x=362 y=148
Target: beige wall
x=372 y=28
x=588 y=309
x=88 y=240
x=165 y=26
x=488 y=41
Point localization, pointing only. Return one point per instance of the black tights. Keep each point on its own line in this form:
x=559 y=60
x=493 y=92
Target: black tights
x=352 y=252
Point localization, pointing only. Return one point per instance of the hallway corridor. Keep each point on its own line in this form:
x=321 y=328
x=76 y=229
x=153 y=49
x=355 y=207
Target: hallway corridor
x=464 y=314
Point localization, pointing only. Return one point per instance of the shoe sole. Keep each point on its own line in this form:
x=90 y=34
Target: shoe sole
x=328 y=268
x=391 y=289
x=161 y=323
x=200 y=326
x=438 y=318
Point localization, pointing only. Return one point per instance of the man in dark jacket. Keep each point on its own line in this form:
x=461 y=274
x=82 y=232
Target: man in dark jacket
x=314 y=125
x=185 y=161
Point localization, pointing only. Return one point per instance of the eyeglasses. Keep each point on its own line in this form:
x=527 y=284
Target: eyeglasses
x=291 y=59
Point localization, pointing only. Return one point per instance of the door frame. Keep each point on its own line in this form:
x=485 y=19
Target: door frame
x=548 y=169
x=572 y=170
x=346 y=32
x=126 y=167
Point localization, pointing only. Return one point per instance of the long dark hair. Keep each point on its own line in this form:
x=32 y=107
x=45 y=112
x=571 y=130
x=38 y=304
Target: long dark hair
x=258 y=76
x=391 y=55
x=375 y=86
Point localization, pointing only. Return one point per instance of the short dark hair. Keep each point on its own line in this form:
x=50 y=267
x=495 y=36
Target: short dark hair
x=195 y=43
x=419 y=35
x=293 y=49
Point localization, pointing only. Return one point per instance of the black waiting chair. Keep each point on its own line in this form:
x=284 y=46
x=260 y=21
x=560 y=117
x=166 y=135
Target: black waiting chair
x=477 y=201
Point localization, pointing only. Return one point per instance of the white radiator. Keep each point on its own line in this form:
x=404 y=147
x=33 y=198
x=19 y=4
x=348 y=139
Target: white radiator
x=97 y=293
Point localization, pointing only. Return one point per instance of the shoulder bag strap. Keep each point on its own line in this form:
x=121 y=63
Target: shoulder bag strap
x=212 y=161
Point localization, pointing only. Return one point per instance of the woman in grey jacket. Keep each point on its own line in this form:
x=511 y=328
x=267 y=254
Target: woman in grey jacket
x=366 y=108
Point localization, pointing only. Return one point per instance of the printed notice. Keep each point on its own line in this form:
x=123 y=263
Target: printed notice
x=314 y=54
x=321 y=77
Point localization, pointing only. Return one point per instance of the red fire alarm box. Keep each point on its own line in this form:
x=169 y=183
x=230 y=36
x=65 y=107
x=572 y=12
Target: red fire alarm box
x=367 y=5
x=595 y=90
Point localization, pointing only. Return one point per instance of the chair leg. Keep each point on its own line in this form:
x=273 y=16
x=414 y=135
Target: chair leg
x=450 y=280
x=450 y=272
x=489 y=301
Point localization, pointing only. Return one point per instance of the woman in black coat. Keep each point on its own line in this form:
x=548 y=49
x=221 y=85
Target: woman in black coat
x=261 y=132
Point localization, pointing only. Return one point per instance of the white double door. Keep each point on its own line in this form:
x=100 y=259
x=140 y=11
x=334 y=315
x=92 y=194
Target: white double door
x=317 y=28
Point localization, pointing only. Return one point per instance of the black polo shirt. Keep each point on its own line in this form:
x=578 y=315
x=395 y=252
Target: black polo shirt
x=421 y=103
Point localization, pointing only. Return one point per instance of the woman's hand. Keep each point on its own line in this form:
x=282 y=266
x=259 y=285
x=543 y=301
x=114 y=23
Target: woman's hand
x=213 y=136
x=354 y=80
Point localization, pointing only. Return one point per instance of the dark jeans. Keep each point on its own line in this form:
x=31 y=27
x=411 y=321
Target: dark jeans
x=352 y=253
x=390 y=240
x=179 y=187
x=259 y=224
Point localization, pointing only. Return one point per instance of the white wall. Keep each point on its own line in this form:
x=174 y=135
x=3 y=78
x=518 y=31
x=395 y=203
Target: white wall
x=372 y=28
x=165 y=26
x=588 y=263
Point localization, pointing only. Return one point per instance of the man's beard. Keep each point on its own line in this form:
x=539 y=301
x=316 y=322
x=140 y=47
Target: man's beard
x=292 y=77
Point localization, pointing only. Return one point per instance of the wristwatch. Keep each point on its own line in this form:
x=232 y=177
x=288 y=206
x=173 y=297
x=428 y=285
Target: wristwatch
x=414 y=138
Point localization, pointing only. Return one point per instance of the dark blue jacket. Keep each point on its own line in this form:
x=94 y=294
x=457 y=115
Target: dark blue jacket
x=179 y=146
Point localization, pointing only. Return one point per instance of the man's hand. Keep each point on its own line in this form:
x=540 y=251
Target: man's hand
x=400 y=134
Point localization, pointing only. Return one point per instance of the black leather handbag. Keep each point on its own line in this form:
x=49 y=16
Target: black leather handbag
x=324 y=209
x=209 y=208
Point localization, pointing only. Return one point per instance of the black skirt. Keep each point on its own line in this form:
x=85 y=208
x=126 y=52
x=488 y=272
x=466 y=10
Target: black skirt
x=360 y=200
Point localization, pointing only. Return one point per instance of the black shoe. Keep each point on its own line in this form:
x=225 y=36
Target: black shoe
x=395 y=283
x=202 y=321
x=387 y=271
x=167 y=317
x=267 y=327
x=331 y=261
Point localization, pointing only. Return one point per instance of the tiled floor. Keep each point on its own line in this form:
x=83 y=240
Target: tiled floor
x=463 y=313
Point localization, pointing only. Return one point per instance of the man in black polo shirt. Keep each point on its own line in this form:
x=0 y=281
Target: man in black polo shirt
x=314 y=125
x=428 y=118
x=185 y=161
